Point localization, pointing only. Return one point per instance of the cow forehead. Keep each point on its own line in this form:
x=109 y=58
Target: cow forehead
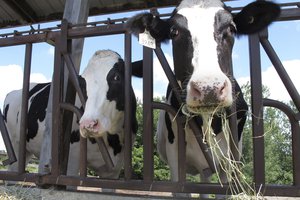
x=200 y=4
x=201 y=25
x=99 y=65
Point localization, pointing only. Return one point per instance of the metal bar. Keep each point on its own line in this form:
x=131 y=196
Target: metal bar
x=56 y=116
x=176 y=88
x=83 y=141
x=288 y=83
x=74 y=78
x=257 y=110
x=295 y=129
x=7 y=142
x=83 y=157
x=128 y=110
x=105 y=154
x=72 y=108
x=148 y=114
x=180 y=120
x=24 y=110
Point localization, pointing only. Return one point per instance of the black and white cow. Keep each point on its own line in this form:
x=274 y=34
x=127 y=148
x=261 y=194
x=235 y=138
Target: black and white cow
x=103 y=115
x=202 y=34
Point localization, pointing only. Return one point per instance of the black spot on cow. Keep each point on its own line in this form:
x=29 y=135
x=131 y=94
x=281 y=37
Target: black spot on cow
x=171 y=135
x=115 y=80
x=114 y=142
x=38 y=107
x=5 y=112
x=75 y=136
x=82 y=84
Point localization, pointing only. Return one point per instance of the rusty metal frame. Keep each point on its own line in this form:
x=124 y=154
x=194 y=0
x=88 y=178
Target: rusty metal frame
x=148 y=183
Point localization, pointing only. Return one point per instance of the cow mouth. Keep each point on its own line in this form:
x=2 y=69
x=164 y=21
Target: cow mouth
x=197 y=110
x=90 y=134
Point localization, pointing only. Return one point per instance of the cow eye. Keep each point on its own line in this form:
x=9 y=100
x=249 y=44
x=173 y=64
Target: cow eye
x=173 y=32
x=232 y=28
x=117 y=77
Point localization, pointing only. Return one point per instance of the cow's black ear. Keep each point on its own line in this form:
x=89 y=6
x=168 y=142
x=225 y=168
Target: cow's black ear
x=137 y=68
x=158 y=28
x=256 y=16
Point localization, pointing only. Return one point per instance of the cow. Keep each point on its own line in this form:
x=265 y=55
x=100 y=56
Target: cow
x=103 y=84
x=202 y=34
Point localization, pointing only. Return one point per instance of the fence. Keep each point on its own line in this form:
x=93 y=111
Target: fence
x=60 y=36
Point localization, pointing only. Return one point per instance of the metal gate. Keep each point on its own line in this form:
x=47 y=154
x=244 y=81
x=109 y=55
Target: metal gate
x=60 y=37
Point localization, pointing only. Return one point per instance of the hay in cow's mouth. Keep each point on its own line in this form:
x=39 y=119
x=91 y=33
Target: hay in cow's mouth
x=238 y=185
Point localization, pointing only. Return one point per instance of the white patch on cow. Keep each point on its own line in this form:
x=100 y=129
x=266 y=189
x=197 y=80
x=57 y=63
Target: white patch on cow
x=207 y=71
x=98 y=108
x=201 y=26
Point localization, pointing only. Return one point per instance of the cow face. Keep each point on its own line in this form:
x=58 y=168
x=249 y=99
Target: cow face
x=202 y=34
x=104 y=111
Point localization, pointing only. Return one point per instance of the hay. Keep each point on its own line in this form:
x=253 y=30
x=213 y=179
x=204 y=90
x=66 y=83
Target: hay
x=19 y=192
x=223 y=160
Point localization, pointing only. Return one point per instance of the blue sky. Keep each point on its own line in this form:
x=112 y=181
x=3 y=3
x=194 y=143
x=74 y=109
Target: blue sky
x=284 y=37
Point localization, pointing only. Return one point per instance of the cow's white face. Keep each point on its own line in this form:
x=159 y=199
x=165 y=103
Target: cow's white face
x=104 y=111
x=209 y=35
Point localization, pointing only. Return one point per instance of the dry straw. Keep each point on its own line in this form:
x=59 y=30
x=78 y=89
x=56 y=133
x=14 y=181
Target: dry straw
x=223 y=157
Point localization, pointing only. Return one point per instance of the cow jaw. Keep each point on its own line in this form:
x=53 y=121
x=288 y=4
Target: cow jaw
x=99 y=124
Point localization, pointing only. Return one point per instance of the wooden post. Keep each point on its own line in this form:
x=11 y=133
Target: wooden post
x=75 y=12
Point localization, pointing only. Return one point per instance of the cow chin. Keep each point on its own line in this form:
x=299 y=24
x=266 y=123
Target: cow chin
x=91 y=134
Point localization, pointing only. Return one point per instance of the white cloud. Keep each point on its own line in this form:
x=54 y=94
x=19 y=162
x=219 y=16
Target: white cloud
x=11 y=78
x=235 y=55
x=271 y=79
x=297 y=26
x=51 y=51
x=159 y=78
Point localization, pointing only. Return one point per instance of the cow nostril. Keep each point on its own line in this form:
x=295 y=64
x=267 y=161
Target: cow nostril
x=195 y=89
x=223 y=88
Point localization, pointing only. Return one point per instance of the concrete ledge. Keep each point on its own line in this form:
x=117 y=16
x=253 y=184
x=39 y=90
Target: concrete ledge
x=31 y=193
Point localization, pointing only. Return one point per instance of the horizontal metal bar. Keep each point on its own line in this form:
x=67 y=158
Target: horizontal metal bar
x=72 y=34
x=72 y=108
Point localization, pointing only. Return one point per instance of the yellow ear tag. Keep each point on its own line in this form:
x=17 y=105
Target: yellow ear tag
x=147 y=40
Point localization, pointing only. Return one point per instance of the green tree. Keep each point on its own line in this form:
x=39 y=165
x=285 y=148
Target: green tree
x=277 y=137
x=161 y=170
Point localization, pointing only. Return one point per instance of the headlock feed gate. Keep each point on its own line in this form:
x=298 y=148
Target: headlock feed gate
x=61 y=37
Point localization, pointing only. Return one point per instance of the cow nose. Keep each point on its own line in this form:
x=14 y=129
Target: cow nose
x=90 y=125
x=208 y=94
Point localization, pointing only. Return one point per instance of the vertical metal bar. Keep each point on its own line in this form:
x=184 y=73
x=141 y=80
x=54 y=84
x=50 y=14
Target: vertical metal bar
x=58 y=67
x=233 y=119
x=257 y=110
x=24 y=109
x=175 y=86
x=181 y=154
x=295 y=152
x=128 y=109
x=148 y=114
x=83 y=157
x=7 y=142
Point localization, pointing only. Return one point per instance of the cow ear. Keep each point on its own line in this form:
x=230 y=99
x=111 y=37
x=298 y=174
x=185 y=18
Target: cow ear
x=256 y=16
x=137 y=68
x=158 y=28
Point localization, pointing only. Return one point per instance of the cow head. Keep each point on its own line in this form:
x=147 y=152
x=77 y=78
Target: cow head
x=202 y=34
x=104 y=110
